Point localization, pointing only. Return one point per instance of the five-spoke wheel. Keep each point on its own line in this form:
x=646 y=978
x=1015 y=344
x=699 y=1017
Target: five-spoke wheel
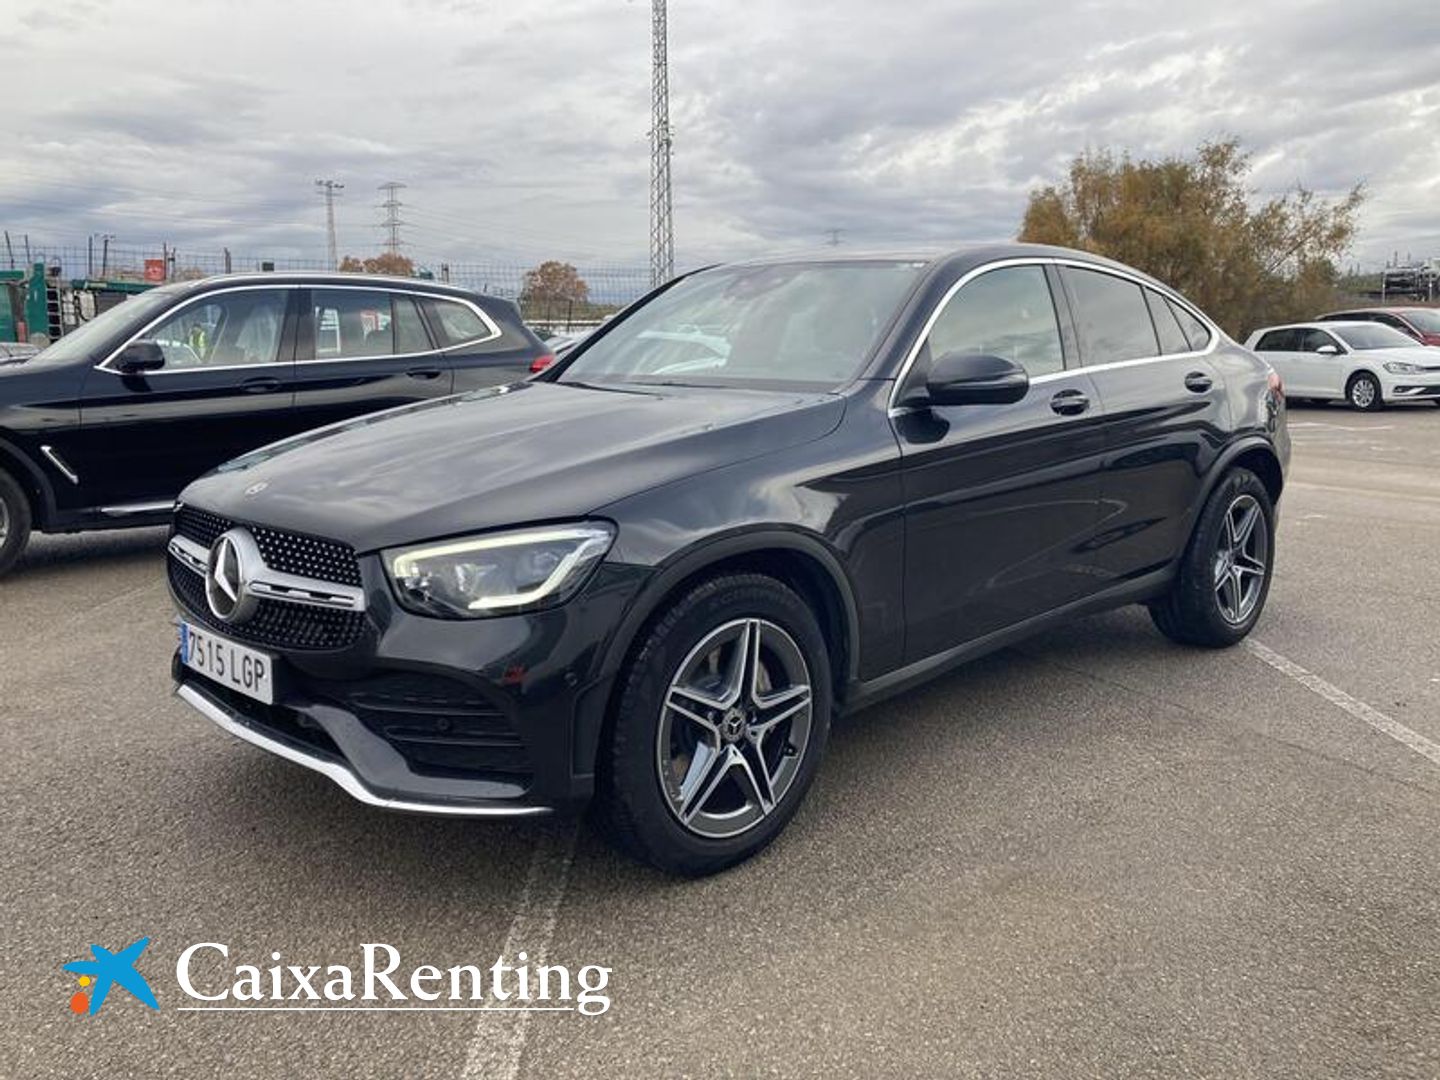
x=1242 y=559
x=734 y=727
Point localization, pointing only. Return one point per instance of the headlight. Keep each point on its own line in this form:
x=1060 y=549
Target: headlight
x=499 y=573
x=1399 y=367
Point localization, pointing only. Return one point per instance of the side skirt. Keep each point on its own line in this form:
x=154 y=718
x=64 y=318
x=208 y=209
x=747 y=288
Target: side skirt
x=862 y=694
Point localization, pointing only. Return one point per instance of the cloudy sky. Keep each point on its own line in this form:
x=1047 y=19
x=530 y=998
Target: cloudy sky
x=520 y=128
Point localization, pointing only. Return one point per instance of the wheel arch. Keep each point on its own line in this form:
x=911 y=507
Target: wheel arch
x=799 y=559
x=1255 y=454
x=1350 y=381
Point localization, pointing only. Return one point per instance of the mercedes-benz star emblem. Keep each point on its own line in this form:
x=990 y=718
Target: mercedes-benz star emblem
x=233 y=558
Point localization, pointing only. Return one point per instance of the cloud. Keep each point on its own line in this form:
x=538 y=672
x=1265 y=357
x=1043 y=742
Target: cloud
x=521 y=131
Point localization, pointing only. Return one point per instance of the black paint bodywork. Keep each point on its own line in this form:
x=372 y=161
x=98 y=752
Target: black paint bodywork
x=133 y=441
x=922 y=536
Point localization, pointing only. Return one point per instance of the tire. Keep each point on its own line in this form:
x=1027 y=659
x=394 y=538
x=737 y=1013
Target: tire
x=1201 y=608
x=1363 y=392
x=653 y=769
x=15 y=521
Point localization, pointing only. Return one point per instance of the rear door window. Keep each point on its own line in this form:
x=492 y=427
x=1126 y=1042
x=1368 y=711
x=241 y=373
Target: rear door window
x=352 y=323
x=1278 y=341
x=1111 y=316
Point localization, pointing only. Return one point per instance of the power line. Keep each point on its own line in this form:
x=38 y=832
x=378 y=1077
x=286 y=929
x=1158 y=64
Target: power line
x=392 y=221
x=328 y=188
x=662 y=225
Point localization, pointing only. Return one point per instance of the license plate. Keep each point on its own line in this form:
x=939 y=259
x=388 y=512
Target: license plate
x=245 y=670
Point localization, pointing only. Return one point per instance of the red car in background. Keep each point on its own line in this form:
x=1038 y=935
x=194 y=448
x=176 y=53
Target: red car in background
x=1420 y=323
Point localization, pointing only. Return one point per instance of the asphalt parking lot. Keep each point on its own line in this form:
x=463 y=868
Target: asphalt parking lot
x=1098 y=854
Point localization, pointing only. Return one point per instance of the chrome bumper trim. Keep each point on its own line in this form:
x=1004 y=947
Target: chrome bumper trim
x=338 y=772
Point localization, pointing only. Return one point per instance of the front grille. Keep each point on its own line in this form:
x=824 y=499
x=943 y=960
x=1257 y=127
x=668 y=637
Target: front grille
x=288 y=552
x=276 y=624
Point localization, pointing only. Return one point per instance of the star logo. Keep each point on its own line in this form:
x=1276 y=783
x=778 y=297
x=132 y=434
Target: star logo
x=106 y=970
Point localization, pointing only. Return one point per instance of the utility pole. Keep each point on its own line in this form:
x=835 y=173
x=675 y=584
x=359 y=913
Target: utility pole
x=392 y=221
x=662 y=225
x=105 y=253
x=328 y=188
x=834 y=235
x=9 y=251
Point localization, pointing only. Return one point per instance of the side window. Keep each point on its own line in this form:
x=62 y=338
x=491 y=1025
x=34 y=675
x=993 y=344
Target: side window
x=1112 y=317
x=410 y=335
x=1277 y=341
x=1196 y=332
x=1312 y=340
x=232 y=329
x=456 y=323
x=1172 y=338
x=352 y=323
x=1007 y=312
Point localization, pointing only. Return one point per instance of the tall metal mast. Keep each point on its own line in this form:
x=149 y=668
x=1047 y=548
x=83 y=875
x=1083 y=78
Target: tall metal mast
x=328 y=188
x=392 y=221
x=662 y=227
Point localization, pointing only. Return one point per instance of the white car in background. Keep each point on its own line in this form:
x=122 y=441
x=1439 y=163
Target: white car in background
x=1364 y=363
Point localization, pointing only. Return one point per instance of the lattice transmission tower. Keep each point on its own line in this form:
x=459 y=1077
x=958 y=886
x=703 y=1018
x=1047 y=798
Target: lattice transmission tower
x=662 y=224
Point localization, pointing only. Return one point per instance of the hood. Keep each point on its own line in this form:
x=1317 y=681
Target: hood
x=512 y=455
x=1427 y=356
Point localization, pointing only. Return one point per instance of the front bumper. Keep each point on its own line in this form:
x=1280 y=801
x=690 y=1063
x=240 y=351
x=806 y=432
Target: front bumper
x=1404 y=390
x=485 y=718
x=352 y=745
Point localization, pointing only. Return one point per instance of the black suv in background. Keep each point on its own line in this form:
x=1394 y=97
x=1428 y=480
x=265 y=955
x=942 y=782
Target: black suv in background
x=768 y=492
x=104 y=427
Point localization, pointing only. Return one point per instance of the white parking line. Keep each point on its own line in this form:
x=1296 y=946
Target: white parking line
x=1356 y=708
x=498 y=1041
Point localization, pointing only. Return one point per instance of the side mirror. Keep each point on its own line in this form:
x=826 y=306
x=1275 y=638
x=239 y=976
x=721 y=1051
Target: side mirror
x=141 y=356
x=1328 y=350
x=974 y=379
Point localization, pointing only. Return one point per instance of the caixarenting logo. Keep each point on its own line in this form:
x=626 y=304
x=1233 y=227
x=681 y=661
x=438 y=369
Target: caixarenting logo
x=205 y=973
x=108 y=968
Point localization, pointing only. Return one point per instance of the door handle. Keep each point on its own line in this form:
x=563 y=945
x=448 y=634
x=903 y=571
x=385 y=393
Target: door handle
x=1070 y=402
x=1198 y=382
x=424 y=373
x=263 y=385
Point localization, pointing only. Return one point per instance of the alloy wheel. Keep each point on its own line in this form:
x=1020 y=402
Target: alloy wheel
x=1362 y=393
x=1242 y=559
x=4 y=522
x=734 y=728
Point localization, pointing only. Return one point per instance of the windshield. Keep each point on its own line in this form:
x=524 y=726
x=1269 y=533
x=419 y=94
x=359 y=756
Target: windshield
x=1426 y=320
x=1374 y=337
x=788 y=325
x=124 y=317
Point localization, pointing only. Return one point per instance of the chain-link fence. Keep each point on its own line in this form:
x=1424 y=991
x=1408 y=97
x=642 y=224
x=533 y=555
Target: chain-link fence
x=608 y=287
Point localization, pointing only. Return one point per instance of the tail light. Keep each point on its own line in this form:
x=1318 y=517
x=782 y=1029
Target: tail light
x=541 y=362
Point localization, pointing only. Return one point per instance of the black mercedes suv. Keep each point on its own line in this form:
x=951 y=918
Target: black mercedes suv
x=765 y=494
x=103 y=428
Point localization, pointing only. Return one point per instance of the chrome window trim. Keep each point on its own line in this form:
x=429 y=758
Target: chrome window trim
x=1051 y=260
x=495 y=331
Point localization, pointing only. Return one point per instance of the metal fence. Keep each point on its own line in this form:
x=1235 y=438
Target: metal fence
x=610 y=286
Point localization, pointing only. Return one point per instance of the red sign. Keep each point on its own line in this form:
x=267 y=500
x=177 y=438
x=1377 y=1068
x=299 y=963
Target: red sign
x=154 y=269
